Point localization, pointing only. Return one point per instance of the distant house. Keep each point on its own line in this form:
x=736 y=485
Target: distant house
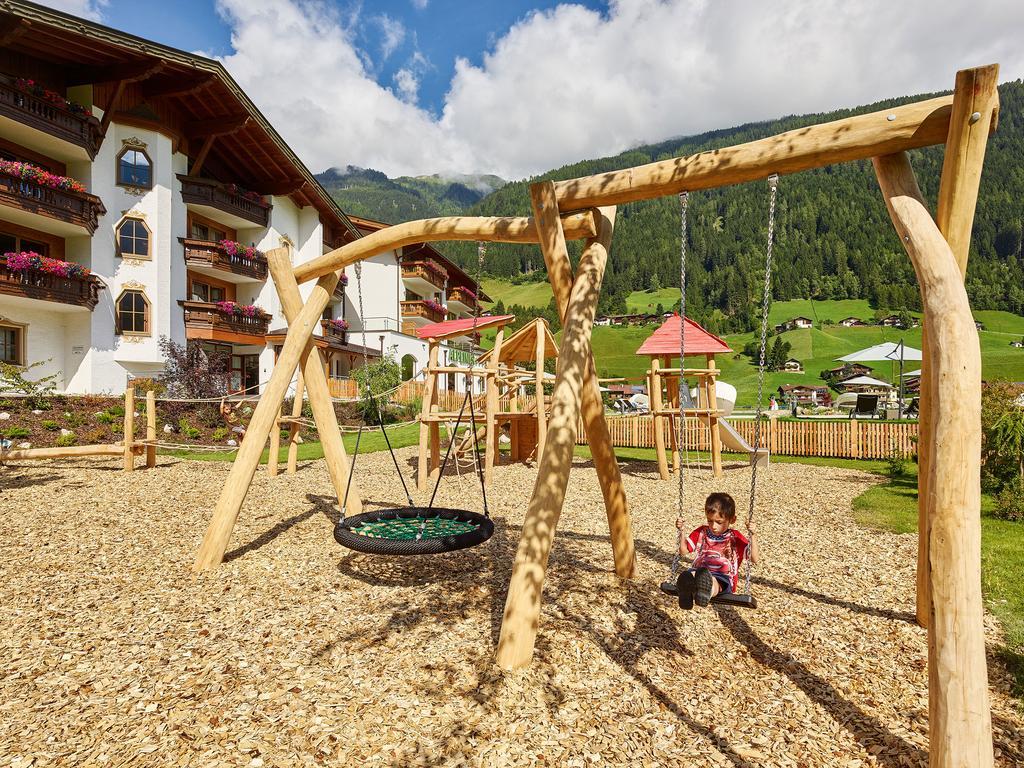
x=893 y=321
x=602 y=320
x=1017 y=344
x=794 y=323
x=805 y=394
x=848 y=370
x=852 y=322
x=793 y=366
x=637 y=319
x=979 y=325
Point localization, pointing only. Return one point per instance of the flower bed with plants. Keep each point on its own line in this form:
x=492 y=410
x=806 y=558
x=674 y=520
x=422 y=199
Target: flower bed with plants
x=235 y=249
x=30 y=261
x=37 y=175
x=240 y=310
x=435 y=306
x=339 y=325
x=35 y=89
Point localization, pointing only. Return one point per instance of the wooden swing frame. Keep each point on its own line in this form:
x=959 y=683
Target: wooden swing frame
x=949 y=599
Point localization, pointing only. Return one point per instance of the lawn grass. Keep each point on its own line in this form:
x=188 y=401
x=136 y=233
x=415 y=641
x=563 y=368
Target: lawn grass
x=527 y=294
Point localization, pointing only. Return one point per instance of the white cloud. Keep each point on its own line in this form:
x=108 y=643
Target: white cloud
x=86 y=9
x=571 y=83
x=392 y=34
x=419 y=5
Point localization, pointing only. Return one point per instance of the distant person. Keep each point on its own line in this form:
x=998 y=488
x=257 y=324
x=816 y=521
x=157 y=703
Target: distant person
x=230 y=415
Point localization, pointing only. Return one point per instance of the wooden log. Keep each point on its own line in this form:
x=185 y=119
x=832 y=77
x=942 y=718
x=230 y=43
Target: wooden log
x=672 y=392
x=716 y=436
x=274 y=454
x=491 y=452
x=522 y=605
x=492 y=229
x=294 y=427
x=538 y=384
x=556 y=260
x=314 y=378
x=150 y=429
x=66 y=452
x=297 y=344
x=129 y=428
x=659 y=415
x=861 y=137
x=960 y=727
x=429 y=397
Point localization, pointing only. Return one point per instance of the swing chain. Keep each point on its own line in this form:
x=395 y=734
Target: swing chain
x=681 y=425
x=773 y=183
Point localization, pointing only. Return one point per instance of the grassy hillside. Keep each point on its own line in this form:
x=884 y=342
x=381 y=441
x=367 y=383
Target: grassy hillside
x=527 y=294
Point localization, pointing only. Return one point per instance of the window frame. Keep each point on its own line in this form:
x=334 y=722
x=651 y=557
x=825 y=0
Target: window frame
x=117 y=168
x=146 y=314
x=149 y=239
x=20 y=341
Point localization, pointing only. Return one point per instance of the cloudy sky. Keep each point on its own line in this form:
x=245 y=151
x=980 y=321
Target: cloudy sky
x=516 y=88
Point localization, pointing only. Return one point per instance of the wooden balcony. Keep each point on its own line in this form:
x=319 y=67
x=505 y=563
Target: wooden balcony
x=425 y=277
x=33 y=284
x=82 y=131
x=210 y=258
x=461 y=300
x=79 y=209
x=332 y=334
x=222 y=204
x=419 y=313
x=205 y=320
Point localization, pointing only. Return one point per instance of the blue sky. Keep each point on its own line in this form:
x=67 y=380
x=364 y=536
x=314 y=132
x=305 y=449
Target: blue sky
x=517 y=88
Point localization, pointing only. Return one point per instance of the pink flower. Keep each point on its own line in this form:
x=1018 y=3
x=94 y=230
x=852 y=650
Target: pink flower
x=232 y=248
x=26 y=261
x=36 y=175
x=340 y=325
x=240 y=310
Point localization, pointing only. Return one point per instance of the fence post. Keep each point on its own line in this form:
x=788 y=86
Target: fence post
x=854 y=439
x=129 y=428
x=150 y=429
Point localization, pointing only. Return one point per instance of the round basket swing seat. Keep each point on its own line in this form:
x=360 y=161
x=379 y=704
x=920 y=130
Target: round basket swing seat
x=413 y=531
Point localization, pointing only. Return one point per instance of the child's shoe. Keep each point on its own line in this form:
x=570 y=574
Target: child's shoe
x=702 y=587
x=684 y=589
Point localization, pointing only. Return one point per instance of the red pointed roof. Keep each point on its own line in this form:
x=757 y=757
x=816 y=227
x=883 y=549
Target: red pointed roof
x=463 y=325
x=664 y=342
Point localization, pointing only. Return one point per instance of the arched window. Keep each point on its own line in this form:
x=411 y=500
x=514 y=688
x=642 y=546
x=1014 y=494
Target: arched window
x=134 y=168
x=408 y=367
x=133 y=239
x=133 y=313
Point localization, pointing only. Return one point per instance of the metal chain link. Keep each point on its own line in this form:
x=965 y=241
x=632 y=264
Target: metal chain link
x=773 y=183
x=681 y=425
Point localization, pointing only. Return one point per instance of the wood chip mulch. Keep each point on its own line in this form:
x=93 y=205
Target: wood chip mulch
x=297 y=652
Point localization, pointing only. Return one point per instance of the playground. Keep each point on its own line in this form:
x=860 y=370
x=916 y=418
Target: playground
x=300 y=653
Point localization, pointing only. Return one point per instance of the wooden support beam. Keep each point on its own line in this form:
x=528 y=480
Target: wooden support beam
x=712 y=404
x=522 y=605
x=911 y=126
x=177 y=86
x=217 y=126
x=130 y=72
x=542 y=422
x=960 y=726
x=294 y=427
x=657 y=415
x=491 y=446
x=429 y=400
x=274 y=454
x=297 y=344
x=556 y=260
x=493 y=229
x=129 y=428
x=150 y=429
x=11 y=28
x=71 y=451
x=197 y=164
x=108 y=113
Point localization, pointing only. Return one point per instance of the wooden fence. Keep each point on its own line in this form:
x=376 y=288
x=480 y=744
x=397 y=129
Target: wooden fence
x=849 y=438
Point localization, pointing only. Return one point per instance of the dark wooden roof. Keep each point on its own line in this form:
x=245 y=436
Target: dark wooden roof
x=190 y=97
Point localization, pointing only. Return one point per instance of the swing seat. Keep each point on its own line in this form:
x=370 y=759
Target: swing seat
x=730 y=599
x=413 y=531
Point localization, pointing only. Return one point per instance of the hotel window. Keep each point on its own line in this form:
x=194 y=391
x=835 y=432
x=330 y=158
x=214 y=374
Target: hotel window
x=204 y=292
x=12 y=339
x=133 y=313
x=9 y=243
x=198 y=231
x=134 y=168
x=133 y=239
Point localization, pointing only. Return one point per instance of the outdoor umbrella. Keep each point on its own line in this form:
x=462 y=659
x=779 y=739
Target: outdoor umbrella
x=865 y=380
x=889 y=350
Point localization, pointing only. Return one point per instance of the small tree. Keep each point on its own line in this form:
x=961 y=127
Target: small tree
x=905 y=320
x=13 y=379
x=190 y=371
x=376 y=378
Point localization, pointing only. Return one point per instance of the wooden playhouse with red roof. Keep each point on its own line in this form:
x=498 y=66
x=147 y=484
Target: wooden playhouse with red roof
x=662 y=347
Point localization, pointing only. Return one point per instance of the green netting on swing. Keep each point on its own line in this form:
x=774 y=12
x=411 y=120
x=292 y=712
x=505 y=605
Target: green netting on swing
x=414 y=528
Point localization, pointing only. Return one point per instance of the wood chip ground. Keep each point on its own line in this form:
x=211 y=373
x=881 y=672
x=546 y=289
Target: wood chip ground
x=297 y=652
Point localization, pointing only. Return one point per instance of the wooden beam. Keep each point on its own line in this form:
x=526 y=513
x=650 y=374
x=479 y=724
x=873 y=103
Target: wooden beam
x=542 y=423
x=129 y=427
x=11 y=28
x=522 y=606
x=177 y=86
x=960 y=726
x=130 y=72
x=429 y=400
x=278 y=187
x=898 y=129
x=197 y=164
x=216 y=126
x=294 y=427
x=492 y=446
x=108 y=114
x=150 y=429
x=508 y=229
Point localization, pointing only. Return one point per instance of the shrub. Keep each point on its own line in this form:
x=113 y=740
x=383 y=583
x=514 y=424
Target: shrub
x=1010 y=501
x=96 y=435
x=186 y=429
x=74 y=419
x=106 y=418
x=65 y=440
x=117 y=427
x=142 y=386
x=219 y=434
x=999 y=417
x=14 y=378
x=192 y=371
x=116 y=410
x=53 y=426
x=8 y=405
x=13 y=433
x=896 y=464
x=378 y=377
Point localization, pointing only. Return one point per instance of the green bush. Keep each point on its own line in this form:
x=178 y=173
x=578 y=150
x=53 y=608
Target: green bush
x=116 y=410
x=14 y=433
x=1010 y=501
x=8 y=405
x=219 y=434
x=65 y=440
x=53 y=426
x=96 y=436
x=73 y=419
x=896 y=464
x=117 y=427
x=106 y=418
x=186 y=429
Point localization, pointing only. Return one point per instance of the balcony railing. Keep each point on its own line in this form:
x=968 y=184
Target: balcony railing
x=206 y=253
x=333 y=333
x=419 y=308
x=33 y=284
x=212 y=193
x=81 y=130
x=462 y=295
x=427 y=269
x=208 y=316
x=78 y=208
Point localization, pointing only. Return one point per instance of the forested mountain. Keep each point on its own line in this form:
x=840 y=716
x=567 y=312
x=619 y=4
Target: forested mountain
x=369 y=193
x=834 y=239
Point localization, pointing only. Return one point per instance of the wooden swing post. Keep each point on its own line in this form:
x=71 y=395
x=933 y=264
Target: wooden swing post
x=150 y=429
x=129 y=428
x=294 y=427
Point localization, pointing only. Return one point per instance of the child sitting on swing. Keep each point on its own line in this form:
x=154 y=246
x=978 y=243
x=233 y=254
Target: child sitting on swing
x=720 y=550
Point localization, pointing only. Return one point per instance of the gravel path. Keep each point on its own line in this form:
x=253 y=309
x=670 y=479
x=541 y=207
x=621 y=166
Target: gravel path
x=296 y=652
